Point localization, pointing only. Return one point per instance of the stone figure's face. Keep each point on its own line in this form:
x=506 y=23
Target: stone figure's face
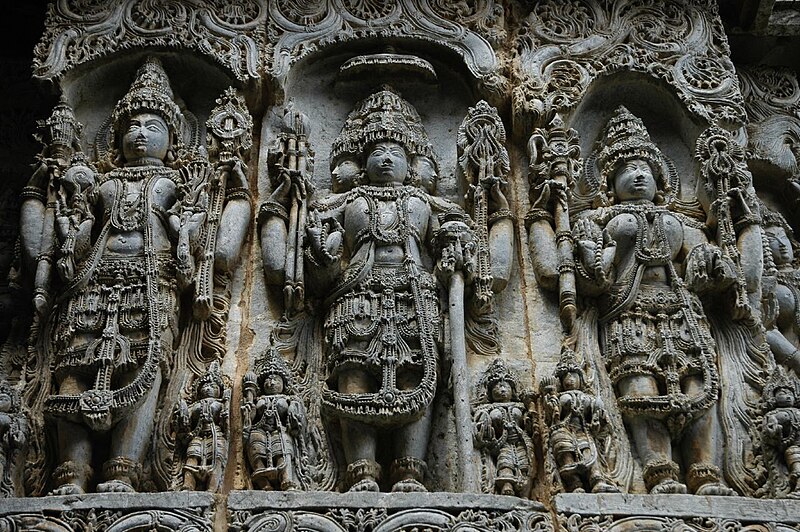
x=780 y=245
x=345 y=175
x=147 y=137
x=426 y=170
x=387 y=163
x=634 y=181
x=784 y=397
x=209 y=389
x=5 y=402
x=571 y=381
x=501 y=392
x=273 y=384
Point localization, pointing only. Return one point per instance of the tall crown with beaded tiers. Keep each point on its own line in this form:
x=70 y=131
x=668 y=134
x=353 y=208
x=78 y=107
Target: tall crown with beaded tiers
x=150 y=93
x=382 y=116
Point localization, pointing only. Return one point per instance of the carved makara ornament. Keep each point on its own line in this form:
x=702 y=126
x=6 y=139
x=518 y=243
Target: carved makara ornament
x=654 y=338
x=274 y=426
x=126 y=243
x=579 y=429
x=501 y=427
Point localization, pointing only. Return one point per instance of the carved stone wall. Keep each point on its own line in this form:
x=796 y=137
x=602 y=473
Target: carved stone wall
x=407 y=265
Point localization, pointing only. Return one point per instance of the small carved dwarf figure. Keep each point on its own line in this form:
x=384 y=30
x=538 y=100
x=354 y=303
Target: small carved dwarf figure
x=578 y=424
x=647 y=264
x=273 y=423
x=203 y=426
x=781 y=433
x=13 y=435
x=501 y=432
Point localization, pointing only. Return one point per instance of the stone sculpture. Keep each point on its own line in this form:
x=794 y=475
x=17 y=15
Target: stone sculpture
x=501 y=425
x=781 y=433
x=579 y=429
x=370 y=248
x=783 y=330
x=13 y=435
x=275 y=422
x=646 y=263
x=202 y=427
x=126 y=244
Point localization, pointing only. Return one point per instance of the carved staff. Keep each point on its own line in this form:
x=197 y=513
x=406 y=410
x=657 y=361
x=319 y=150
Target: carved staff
x=483 y=159
x=230 y=126
x=726 y=174
x=555 y=156
x=457 y=249
x=293 y=155
x=60 y=136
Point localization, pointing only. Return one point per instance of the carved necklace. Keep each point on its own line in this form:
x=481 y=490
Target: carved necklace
x=652 y=246
x=128 y=212
x=397 y=230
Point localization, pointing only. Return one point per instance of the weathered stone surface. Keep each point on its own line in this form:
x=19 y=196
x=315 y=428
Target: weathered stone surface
x=376 y=327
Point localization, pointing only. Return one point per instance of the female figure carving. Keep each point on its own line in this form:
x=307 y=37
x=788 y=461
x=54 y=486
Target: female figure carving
x=645 y=262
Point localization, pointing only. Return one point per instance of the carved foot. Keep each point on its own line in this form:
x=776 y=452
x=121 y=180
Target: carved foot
x=363 y=475
x=409 y=485
x=115 y=486
x=715 y=488
x=601 y=486
x=67 y=489
x=366 y=484
x=668 y=485
x=793 y=495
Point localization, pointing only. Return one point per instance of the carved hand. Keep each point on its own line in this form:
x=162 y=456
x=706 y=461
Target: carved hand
x=325 y=239
x=708 y=269
x=237 y=172
x=549 y=191
x=289 y=180
x=497 y=200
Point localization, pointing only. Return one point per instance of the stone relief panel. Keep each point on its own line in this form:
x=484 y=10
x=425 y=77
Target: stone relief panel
x=375 y=347
x=109 y=249
x=726 y=354
x=565 y=46
x=379 y=249
x=471 y=29
x=379 y=513
x=78 y=32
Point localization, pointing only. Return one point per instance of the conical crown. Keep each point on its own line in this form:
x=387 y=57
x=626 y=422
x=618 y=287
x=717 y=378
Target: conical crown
x=382 y=116
x=149 y=93
x=625 y=138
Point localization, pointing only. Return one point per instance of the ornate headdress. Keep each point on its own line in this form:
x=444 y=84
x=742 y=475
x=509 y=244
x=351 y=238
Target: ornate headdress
x=212 y=375
x=499 y=372
x=568 y=363
x=772 y=218
x=625 y=138
x=382 y=116
x=273 y=363
x=149 y=93
x=780 y=378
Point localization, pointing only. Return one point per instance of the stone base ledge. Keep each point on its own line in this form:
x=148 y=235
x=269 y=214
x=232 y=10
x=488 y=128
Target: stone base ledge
x=254 y=511
x=623 y=513
x=110 y=512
